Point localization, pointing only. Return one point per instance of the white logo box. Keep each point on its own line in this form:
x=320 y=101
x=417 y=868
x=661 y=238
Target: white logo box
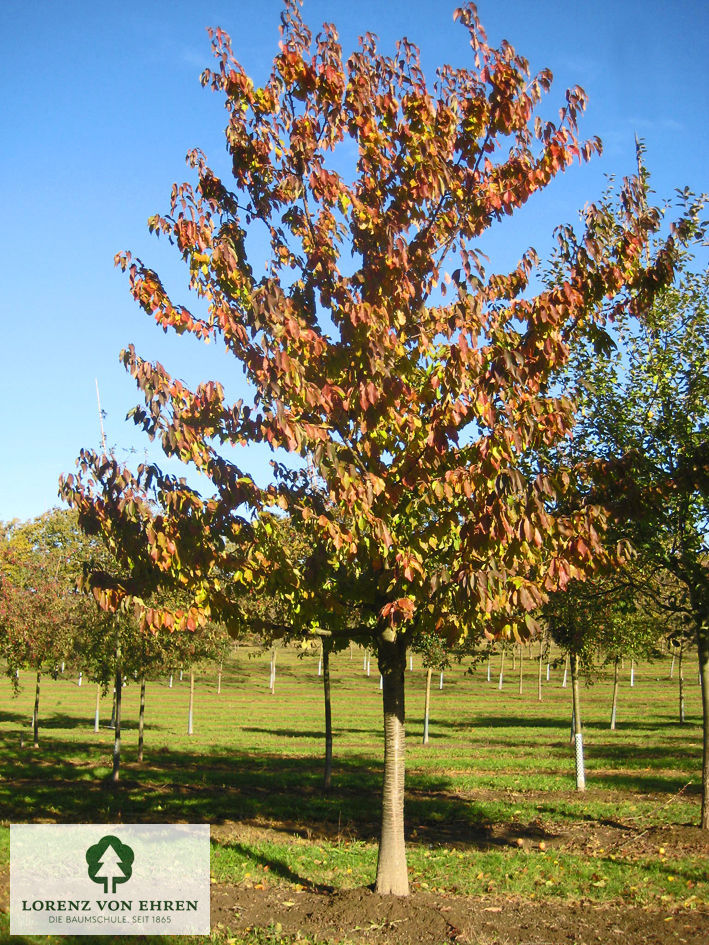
x=109 y=879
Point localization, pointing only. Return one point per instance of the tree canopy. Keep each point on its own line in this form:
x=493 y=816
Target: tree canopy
x=378 y=347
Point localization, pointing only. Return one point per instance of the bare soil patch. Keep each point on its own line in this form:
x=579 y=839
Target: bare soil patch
x=359 y=915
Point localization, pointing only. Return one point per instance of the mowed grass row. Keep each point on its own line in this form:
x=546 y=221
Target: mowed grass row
x=491 y=806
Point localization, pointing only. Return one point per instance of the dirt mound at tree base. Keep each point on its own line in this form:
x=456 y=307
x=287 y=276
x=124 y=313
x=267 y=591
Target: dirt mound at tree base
x=359 y=915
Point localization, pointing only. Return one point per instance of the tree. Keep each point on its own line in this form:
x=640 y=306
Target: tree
x=40 y=610
x=422 y=417
x=645 y=411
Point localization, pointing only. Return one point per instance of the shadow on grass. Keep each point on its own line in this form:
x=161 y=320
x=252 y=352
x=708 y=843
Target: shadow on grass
x=276 y=866
x=218 y=786
x=314 y=733
x=63 y=781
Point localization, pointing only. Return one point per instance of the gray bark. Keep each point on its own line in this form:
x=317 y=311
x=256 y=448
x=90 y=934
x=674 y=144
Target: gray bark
x=392 y=874
x=578 y=731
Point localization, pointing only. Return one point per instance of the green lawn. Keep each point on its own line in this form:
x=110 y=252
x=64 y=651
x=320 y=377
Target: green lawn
x=491 y=805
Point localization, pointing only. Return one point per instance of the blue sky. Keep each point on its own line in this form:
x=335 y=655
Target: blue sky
x=102 y=100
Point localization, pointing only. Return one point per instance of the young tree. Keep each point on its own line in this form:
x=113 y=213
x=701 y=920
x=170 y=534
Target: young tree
x=646 y=408
x=41 y=612
x=422 y=417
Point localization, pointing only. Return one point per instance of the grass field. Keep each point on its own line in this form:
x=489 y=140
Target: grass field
x=491 y=805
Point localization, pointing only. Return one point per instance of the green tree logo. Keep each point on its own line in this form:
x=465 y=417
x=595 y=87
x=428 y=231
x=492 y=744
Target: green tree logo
x=110 y=862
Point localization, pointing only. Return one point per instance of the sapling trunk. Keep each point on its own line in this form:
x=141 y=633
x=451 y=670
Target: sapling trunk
x=680 y=674
x=427 y=705
x=521 y=670
x=392 y=875
x=440 y=683
x=141 y=718
x=190 y=713
x=614 y=706
x=411 y=663
x=112 y=722
x=672 y=667
x=514 y=658
x=703 y=652
x=578 y=732
x=327 y=779
x=539 y=675
x=272 y=681
x=169 y=685
x=117 y=728
x=97 y=716
x=219 y=679
x=502 y=669
x=566 y=671
x=320 y=661
x=35 y=714
x=488 y=669
x=632 y=673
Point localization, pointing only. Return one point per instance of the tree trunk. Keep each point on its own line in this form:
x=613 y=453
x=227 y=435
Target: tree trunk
x=539 y=675
x=566 y=671
x=117 y=728
x=392 y=875
x=502 y=670
x=680 y=674
x=672 y=667
x=327 y=778
x=427 y=705
x=190 y=713
x=632 y=673
x=97 y=715
x=578 y=733
x=35 y=714
x=614 y=706
x=141 y=718
x=521 y=670
x=703 y=651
